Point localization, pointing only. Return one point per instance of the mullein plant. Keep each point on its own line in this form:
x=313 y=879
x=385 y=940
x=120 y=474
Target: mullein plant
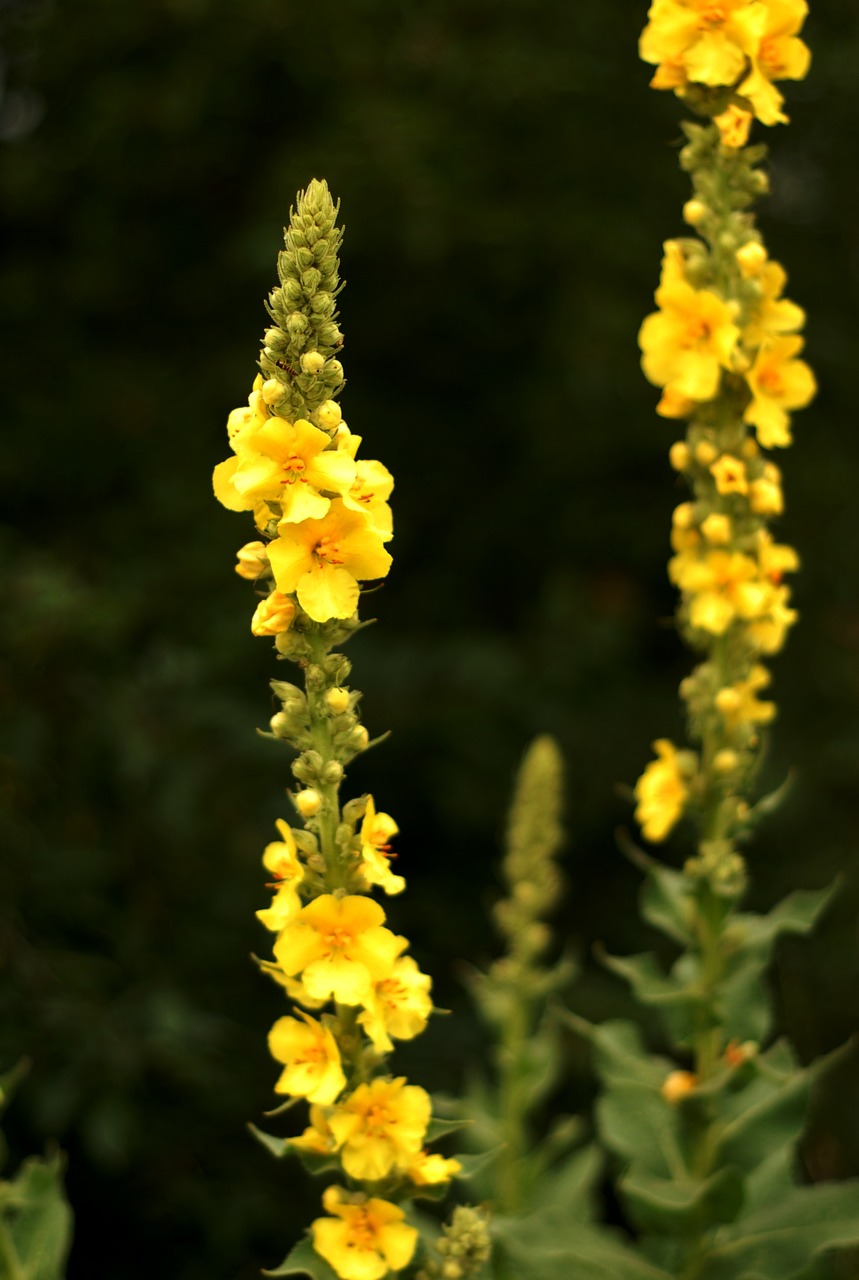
x=324 y=523
x=515 y=997
x=704 y=1138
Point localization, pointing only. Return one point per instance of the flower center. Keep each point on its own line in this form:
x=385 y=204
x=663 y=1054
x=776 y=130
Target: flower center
x=376 y=1120
x=337 y=940
x=292 y=469
x=770 y=58
x=699 y=332
x=712 y=16
x=327 y=549
x=771 y=382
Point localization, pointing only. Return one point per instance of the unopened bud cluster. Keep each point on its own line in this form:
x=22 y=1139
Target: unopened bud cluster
x=463 y=1247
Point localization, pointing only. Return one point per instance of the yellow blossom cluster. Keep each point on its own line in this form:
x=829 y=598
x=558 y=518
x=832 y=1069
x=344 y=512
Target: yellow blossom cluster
x=738 y=45
x=739 y=335
x=724 y=346
x=323 y=520
x=324 y=512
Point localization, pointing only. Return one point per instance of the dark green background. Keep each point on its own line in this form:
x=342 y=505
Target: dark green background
x=507 y=179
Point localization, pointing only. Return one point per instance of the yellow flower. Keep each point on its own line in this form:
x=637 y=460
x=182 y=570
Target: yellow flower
x=273 y=615
x=722 y=585
x=730 y=475
x=369 y=493
x=377 y=829
x=765 y=497
x=780 y=55
x=773 y=315
x=317 y=1139
x=778 y=382
x=661 y=791
x=322 y=561
x=739 y=704
x=734 y=125
x=311 y=1058
x=687 y=343
x=710 y=39
x=380 y=1127
x=768 y=631
x=251 y=559
x=430 y=1170
x=280 y=858
x=365 y=1239
x=339 y=947
x=398 y=1006
x=288 y=463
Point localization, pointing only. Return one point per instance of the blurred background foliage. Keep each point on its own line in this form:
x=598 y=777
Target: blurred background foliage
x=507 y=179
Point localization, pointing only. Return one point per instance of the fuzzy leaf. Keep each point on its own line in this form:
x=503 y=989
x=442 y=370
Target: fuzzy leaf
x=667 y=902
x=672 y=1207
x=570 y=1183
x=681 y=1002
x=743 y=999
x=438 y=1128
x=783 y=1238
x=636 y=1123
x=314 y=1162
x=544 y=1246
x=622 y=1056
x=475 y=1164
x=303 y=1260
x=40 y=1225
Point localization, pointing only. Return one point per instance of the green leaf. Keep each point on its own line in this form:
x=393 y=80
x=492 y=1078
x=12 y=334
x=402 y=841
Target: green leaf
x=278 y=1147
x=635 y=1122
x=314 y=1162
x=784 y=1237
x=546 y=1246
x=621 y=1054
x=303 y=1260
x=569 y=1184
x=667 y=900
x=744 y=1005
x=672 y=1207
x=684 y=1006
x=40 y=1224
x=472 y=1165
x=438 y=1128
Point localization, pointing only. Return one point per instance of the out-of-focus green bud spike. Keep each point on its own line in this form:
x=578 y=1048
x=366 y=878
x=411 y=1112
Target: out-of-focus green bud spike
x=534 y=830
x=303 y=308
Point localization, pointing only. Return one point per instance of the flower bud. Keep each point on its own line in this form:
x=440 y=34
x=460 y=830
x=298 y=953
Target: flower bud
x=328 y=415
x=252 y=559
x=359 y=738
x=297 y=325
x=765 y=498
x=725 y=761
x=312 y=362
x=307 y=802
x=694 y=212
x=332 y=773
x=728 y=701
x=337 y=700
x=705 y=453
x=677 y=1085
x=275 y=338
x=678 y=455
x=683 y=515
x=280 y=724
x=272 y=615
x=272 y=391
x=717 y=528
x=751 y=257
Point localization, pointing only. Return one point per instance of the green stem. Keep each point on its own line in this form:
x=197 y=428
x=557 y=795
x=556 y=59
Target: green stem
x=514 y=1039
x=320 y=732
